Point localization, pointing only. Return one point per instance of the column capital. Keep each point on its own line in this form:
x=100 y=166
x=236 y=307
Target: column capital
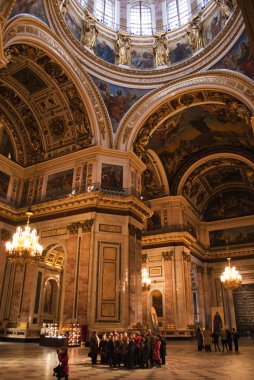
x=200 y=269
x=186 y=257
x=144 y=258
x=87 y=225
x=135 y=231
x=73 y=227
x=167 y=255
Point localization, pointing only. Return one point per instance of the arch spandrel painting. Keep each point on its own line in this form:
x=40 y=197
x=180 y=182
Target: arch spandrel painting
x=118 y=99
x=239 y=58
x=197 y=130
x=32 y=7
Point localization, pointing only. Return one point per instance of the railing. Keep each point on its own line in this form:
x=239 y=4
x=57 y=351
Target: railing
x=111 y=24
x=94 y=187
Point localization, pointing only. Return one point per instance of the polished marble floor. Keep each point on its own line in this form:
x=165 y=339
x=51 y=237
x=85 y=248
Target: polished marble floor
x=30 y=361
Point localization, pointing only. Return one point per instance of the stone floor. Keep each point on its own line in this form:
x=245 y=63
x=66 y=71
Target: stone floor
x=30 y=361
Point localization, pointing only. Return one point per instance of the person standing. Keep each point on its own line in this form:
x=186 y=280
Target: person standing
x=94 y=347
x=208 y=339
x=156 y=352
x=215 y=337
x=235 y=339
x=229 y=339
x=163 y=351
x=224 y=340
x=200 y=339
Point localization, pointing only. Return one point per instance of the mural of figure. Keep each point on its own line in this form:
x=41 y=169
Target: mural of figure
x=225 y=6
x=123 y=49
x=195 y=33
x=217 y=322
x=160 y=49
x=89 y=33
x=245 y=60
x=63 y=7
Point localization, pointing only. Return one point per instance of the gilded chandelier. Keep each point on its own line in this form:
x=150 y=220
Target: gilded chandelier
x=24 y=247
x=231 y=278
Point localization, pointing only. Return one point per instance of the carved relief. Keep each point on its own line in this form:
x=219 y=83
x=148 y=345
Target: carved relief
x=167 y=255
x=144 y=258
x=135 y=231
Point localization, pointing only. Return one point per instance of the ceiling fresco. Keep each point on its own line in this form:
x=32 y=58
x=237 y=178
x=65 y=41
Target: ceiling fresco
x=197 y=131
x=43 y=112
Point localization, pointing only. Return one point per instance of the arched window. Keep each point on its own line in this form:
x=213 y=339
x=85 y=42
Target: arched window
x=105 y=12
x=141 y=18
x=178 y=12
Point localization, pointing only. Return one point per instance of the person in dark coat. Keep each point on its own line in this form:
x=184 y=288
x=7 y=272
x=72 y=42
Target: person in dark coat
x=215 y=337
x=130 y=353
x=229 y=339
x=200 y=339
x=235 y=339
x=111 y=351
x=94 y=347
x=163 y=352
x=103 y=349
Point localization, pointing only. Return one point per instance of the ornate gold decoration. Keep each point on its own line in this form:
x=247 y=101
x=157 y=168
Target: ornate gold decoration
x=134 y=231
x=167 y=255
x=73 y=227
x=231 y=278
x=24 y=247
x=186 y=257
x=87 y=225
x=144 y=258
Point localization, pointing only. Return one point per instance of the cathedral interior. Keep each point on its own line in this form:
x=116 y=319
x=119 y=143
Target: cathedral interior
x=127 y=128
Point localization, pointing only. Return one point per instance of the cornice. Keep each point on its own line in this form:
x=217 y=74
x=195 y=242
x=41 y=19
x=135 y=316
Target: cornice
x=168 y=238
x=76 y=204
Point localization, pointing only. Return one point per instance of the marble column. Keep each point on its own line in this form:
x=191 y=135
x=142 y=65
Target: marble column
x=83 y=273
x=69 y=273
x=28 y=287
x=201 y=301
x=168 y=292
x=135 y=288
x=207 y=295
x=144 y=296
x=188 y=291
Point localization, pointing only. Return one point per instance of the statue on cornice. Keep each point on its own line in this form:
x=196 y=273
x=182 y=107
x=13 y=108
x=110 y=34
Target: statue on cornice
x=160 y=49
x=123 y=49
x=89 y=33
x=195 y=33
x=63 y=7
x=226 y=6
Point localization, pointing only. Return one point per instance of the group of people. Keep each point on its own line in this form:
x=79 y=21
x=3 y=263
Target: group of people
x=222 y=340
x=115 y=349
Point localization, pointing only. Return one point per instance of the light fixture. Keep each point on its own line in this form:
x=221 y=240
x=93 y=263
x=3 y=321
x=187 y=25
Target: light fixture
x=146 y=281
x=231 y=278
x=24 y=247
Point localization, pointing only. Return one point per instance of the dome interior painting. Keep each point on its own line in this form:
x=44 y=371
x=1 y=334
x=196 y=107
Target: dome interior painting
x=127 y=127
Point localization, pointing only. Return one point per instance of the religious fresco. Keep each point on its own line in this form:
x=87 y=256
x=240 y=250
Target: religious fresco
x=196 y=130
x=59 y=183
x=111 y=177
x=6 y=147
x=30 y=80
x=180 y=50
x=4 y=184
x=231 y=236
x=221 y=176
x=32 y=7
x=239 y=58
x=118 y=100
x=105 y=50
x=213 y=26
x=142 y=58
x=231 y=203
x=74 y=23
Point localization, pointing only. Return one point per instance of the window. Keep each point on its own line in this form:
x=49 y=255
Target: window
x=105 y=12
x=178 y=13
x=141 y=18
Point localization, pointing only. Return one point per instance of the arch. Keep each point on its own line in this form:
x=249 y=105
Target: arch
x=50 y=296
x=35 y=33
x=207 y=159
x=157 y=302
x=159 y=105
